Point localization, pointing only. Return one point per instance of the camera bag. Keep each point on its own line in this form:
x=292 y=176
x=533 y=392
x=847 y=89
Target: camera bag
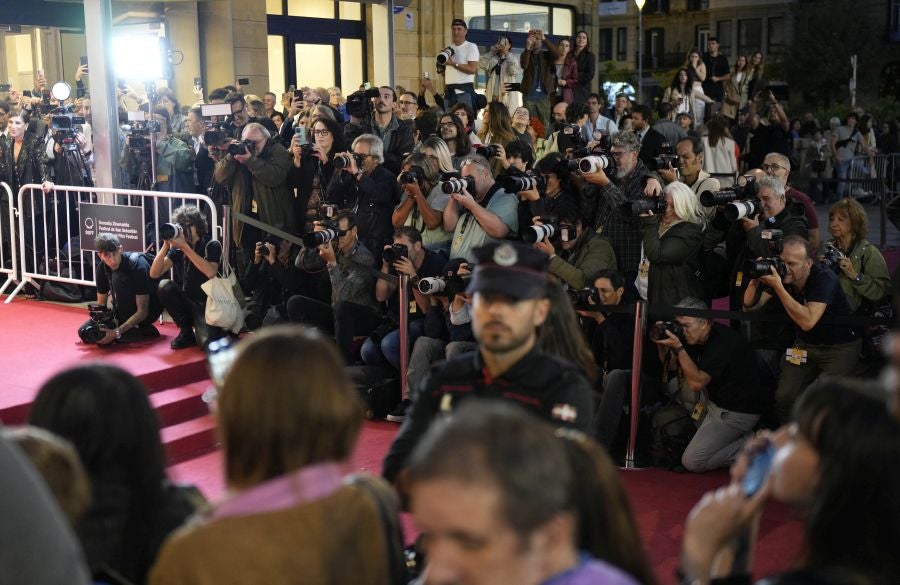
x=673 y=430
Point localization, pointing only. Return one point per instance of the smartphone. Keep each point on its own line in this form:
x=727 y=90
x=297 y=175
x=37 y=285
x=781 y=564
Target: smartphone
x=40 y=72
x=45 y=95
x=83 y=60
x=244 y=81
x=298 y=94
x=302 y=134
x=367 y=85
x=5 y=87
x=197 y=82
x=426 y=75
x=220 y=356
x=26 y=93
x=757 y=471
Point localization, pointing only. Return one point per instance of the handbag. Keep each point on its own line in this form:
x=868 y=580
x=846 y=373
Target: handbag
x=223 y=295
x=732 y=95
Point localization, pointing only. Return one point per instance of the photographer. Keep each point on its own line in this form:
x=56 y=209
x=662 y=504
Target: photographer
x=484 y=216
x=313 y=169
x=422 y=202
x=351 y=267
x=255 y=170
x=808 y=292
x=603 y=196
x=576 y=254
x=367 y=188
x=689 y=151
x=195 y=257
x=127 y=279
x=416 y=262
x=502 y=70
x=671 y=242
x=717 y=383
x=272 y=278
x=174 y=159
x=459 y=68
x=779 y=166
x=395 y=134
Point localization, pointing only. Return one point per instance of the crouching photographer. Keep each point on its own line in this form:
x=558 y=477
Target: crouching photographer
x=272 y=278
x=576 y=254
x=188 y=249
x=125 y=277
x=808 y=291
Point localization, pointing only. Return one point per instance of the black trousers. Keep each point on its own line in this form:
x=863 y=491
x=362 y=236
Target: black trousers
x=344 y=321
x=187 y=312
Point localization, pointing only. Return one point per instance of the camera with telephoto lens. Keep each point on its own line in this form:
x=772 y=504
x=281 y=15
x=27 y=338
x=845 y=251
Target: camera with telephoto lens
x=762 y=267
x=415 y=175
x=101 y=317
x=242 y=147
x=329 y=232
x=168 y=231
x=394 y=253
x=449 y=286
x=444 y=56
x=744 y=188
x=342 y=161
x=359 y=103
x=537 y=233
x=656 y=205
x=583 y=296
x=65 y=125
x=488 y=151
x=598 y=162
x=667 y=158
x=526 y=182
x=570 y=137
x=217 y=123
x=457 y=184
x=660 y=329
x=832 y=258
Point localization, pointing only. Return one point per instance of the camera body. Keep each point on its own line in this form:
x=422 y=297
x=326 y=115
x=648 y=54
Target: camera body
x=583 y=296
x=570 y=136
x=270 y=239
x=488 y=151
x=660 y=329
x=757 y=268
x=168 y=231
x=666 y=159
x=527 y=182
x=655 y=205
x=101 y=317
x=342 y=161
x=457 y=184
x=739 y=200
x=415 y=175
x=832 y=258
x=595 y=163
x=449 y=286
x=327 y=211
x=394 y=253
x=329 y=232
x=536 y=233
x=242 y=147
x=444 y=56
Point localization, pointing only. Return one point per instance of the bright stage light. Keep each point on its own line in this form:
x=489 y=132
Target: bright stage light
x=138 y=56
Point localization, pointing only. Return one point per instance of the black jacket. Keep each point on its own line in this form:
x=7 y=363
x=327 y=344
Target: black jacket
x=549 y=387
x=652 y=146
x=373 y=198
x=203 y=164
x=397 y=137
x=30 y=167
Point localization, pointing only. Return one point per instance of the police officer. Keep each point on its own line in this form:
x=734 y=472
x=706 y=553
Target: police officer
x=509 y=304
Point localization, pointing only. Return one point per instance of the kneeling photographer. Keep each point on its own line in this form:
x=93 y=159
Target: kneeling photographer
x=716 y=375
x=576 y=254
x=125 y=277
x=188 y=249
x=272 y=278
x=808 y=291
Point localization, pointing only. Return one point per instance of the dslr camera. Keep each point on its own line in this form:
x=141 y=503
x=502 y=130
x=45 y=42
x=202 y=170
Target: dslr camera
x=659 y=330
x=169 y=231
x=394 y=253
x=242 y=147
x=739 y=200
x=342 y=161
x=536 y=233
x=449 y=286
x=666 y=159
x=832 y=258
x=327 y=211
x=488 y=151
x=270 y=239
x=415 y=175
x=457 y=184
x=101 y=317
x=656 y=205
x=605 y=162
x=527 y=182
x=329 y=232
x=584 y=296
x=757 y=268
x=441 y=59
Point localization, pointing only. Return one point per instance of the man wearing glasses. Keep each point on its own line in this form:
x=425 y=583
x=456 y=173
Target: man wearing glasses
x=602 y=199
x=779 y=166
x=396 y=135
x=409 y=106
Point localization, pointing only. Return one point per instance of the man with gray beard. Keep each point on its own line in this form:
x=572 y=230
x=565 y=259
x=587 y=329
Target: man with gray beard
x=602 y=198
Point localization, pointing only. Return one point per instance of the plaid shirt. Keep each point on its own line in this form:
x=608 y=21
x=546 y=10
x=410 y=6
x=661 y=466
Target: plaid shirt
x=600 y=209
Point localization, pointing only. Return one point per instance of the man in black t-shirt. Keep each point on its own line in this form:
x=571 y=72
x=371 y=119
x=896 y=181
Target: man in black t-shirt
x=718 y=384
x=808 y=292
x=717 y=72
x=195 y=258
x=125 y=277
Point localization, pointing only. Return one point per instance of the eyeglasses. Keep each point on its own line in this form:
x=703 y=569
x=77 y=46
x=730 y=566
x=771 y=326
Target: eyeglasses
x=407 y=103
x=447 y=125
x=322 y=132
x=618 y=155
x=520 y=113
x=766 y=167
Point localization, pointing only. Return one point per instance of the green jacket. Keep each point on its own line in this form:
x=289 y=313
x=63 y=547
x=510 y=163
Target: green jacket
x=876 y=280
x=578 y=267
x=263 y=179
x=673 y=261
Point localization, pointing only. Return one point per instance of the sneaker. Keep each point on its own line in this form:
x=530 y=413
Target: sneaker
x=185 y=338
x=398 y=415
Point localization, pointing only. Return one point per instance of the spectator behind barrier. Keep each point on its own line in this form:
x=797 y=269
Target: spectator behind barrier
x=459 y=66
x=105 y=413
x=829 y=464
x=283 y=466
x=395 y=134
x=496 y=476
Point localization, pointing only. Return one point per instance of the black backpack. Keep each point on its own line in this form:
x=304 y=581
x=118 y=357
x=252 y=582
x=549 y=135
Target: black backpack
x=673 y=430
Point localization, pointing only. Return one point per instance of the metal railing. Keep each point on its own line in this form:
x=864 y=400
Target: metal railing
x=46 y=250
x=9 y=260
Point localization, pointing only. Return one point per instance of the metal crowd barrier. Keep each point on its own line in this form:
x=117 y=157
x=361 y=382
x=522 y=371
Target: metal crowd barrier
x=47 y=235
x=9 y=261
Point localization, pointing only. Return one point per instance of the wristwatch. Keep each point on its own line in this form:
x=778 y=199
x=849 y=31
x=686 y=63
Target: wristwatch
x=858 y=279
x=118 y=333
x=678 y=350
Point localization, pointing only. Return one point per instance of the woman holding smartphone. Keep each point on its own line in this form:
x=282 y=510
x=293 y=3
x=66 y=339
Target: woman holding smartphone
x=313 y=151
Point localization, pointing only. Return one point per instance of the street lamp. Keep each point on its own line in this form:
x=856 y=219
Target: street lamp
x=640 y=5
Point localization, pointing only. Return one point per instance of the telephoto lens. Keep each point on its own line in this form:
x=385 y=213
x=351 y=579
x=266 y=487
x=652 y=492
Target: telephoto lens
x=656 y=205
x=167 y=231
x=536 y=233
x=456 y=185
x=432 y=285
x=594 y=164
x=517 y=184
x=721 y=197
x=740 y=209
x=342 y=161
x=313 y=239
x=444 y=56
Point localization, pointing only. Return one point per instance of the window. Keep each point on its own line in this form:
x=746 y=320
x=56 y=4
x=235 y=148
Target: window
x=621 y=44
x=311 y=8
x=749 y=35
x=701 y=35
x=724 y=34
x=514 y=17
x=605 y=45
x=776 y=35
x=654 y=48
x=696 y=5
x=657 y=7
x=562 y=21
x=274 y=7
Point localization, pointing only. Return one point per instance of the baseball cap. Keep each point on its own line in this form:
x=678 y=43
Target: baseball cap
x=511 y=269
x=459 y=22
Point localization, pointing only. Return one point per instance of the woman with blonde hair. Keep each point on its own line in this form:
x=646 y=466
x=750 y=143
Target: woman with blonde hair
x=437 y=150
x=288 y=418
x=671 y=243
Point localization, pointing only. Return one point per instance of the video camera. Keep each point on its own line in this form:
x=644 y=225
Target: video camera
x=655 y=205
x=101 y=317
x=217 y=121
x=139 y=136
x=457 y=184
x=359 y=103
x=739 y=200
x=762 y=267
x=526 y=182
x=65 y=125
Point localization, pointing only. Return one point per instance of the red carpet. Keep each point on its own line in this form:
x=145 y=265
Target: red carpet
x=39 y=340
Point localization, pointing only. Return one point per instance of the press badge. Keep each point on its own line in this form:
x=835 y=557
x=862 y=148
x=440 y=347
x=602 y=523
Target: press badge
x=413 y=307
x=795 y=355
x=698 y=411
x=253 y=207
x=739 y=279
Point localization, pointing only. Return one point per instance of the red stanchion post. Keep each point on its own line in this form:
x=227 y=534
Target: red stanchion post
x=640 y=329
